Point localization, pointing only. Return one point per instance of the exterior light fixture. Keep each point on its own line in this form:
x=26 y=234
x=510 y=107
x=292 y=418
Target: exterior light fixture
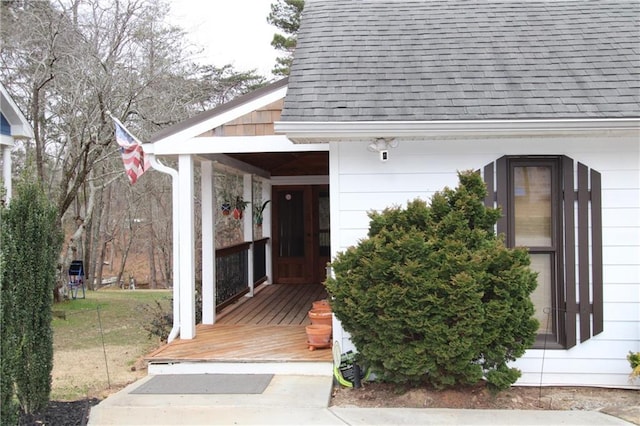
x=382 y=146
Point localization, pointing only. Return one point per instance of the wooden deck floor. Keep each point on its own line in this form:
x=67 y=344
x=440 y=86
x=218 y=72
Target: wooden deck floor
x=267 y=327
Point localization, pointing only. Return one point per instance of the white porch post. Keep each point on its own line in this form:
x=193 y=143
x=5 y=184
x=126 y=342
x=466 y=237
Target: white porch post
x=6 y=170
x=187 y=249
x=247 y=195
x=175 y=220
x=266 y=229
x=208 y=243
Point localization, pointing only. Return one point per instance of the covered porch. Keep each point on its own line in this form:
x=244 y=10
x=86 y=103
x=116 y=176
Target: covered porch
x=260 y=334
x=291 y=241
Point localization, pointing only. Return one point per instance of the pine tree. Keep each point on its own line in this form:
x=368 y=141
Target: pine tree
x=285 y=15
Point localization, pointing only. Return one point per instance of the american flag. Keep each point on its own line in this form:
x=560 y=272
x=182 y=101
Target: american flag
x=132 y=154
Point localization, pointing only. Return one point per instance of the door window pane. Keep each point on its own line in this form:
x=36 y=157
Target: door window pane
x=532 y=206
x=323 y=224
x=541 y=296
x=291 y=224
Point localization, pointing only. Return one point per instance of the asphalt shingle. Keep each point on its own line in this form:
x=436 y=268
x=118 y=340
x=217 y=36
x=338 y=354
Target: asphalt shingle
x=465 y=60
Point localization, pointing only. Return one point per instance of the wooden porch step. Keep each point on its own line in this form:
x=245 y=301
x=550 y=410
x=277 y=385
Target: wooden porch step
x=242 y=343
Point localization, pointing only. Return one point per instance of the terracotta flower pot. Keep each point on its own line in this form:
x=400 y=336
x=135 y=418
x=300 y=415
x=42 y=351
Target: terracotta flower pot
x=318 y=336
x=321 y=304
x=237 y=213
x=321 y=316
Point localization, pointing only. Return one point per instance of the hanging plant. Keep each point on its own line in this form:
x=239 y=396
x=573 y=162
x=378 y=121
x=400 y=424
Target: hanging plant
x=258 y=213
x=240 y=205
x=226 y=198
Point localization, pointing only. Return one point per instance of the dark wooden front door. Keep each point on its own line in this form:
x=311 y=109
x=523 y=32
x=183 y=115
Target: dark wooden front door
x=300 y=233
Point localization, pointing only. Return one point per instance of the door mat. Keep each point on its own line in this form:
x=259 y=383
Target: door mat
x=206 y=384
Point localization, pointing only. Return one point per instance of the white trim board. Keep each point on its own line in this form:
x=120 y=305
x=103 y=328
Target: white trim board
x=317 y=132
x=299 y=180
x=231 y=144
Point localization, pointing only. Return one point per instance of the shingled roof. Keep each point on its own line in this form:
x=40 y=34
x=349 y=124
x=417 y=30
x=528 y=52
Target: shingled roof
x=408 y=60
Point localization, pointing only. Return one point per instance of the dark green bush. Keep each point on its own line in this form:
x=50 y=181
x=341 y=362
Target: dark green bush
x=433 y=295
x=8 y=407
x=31 y=244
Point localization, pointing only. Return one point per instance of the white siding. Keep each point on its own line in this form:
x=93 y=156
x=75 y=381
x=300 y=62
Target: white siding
x=360 y=182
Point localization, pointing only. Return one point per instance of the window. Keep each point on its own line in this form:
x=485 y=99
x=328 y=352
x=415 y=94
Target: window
x=533 y=199
x=561 y=227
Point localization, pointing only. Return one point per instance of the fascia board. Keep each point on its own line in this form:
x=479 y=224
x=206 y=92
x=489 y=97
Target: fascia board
x=303 y=132
x=6 y=140
x=232 y=145
x=22 y=131
x=20 y=127
x=218 y=120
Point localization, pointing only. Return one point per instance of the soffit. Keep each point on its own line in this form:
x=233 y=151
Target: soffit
x=289 y=163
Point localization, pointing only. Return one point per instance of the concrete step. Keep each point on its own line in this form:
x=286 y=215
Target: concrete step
x=301 y=398
x=270 y=367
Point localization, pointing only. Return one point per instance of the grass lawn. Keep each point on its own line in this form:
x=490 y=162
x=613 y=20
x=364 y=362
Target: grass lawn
x=82 y=365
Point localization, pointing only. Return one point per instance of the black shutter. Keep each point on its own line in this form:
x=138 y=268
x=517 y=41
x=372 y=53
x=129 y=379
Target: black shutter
x=596 y=252
x=490 y=199
x=502 y=194
x=589 y=279
x=569 y=261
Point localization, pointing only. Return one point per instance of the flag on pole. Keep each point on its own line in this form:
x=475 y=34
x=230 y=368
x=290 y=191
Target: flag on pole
x=132 y=153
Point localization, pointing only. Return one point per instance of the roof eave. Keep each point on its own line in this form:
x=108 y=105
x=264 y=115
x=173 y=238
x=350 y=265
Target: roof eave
x=323 y=132
x=222 y=114
x=20 y=126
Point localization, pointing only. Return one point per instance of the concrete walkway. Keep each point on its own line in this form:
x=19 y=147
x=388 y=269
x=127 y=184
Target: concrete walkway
x=304 y=400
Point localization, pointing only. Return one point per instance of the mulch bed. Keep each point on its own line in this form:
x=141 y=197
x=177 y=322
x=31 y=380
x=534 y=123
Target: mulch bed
x=61 y=413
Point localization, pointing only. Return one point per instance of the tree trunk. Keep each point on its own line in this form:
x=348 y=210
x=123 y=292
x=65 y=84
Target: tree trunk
x=96 y=254
x=152 y=263
x=89 y=248
x=125 y=252
x=74 y=249
x=106 y=238
x=37 y=133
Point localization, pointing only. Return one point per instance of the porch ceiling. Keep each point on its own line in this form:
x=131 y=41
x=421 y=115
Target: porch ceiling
x=288 y=163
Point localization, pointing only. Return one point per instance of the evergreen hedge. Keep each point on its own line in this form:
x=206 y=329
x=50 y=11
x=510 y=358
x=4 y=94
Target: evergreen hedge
x=31 y=243
x=434 y=296
x=8 y=408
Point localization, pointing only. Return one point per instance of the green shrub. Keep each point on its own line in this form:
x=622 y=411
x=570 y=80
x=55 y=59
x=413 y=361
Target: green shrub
x=634 y=362
x=433 y=295
x=31 y=244
x=8 y=408
x=161 y=318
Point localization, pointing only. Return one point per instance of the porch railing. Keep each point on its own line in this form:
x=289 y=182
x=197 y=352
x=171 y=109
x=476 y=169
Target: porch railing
x=260 y=261
x=232 y=270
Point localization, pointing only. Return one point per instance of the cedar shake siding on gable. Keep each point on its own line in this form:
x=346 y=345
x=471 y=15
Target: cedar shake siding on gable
x=256 y=123
x=465 y=60
x=196 y=120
